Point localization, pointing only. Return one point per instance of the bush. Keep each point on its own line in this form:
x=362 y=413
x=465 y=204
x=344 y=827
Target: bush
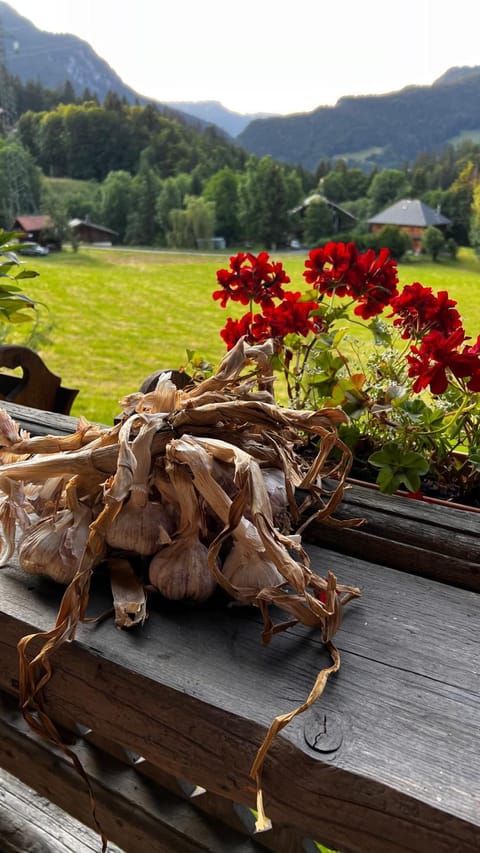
x=433 y=241
x=392 y=238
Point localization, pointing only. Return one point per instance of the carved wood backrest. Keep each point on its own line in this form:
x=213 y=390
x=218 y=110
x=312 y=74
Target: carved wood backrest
x=37 y=387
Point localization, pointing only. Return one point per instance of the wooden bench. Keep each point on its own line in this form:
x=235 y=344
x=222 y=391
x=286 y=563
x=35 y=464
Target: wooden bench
x=167 y=719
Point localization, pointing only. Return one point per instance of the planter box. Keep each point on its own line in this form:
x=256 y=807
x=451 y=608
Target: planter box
x=430 y=539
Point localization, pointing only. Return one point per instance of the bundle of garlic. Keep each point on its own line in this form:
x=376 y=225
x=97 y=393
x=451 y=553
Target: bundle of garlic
x=203 y=483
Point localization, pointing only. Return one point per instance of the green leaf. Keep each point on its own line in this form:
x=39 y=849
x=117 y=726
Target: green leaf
x=338 y=337
x=20 y=317
x=414 y=462
x=26 y=274
x=293 y=341
x=474 y=458
x=411 y=480
x=387 y=455
x=380 y=331
x=386 y=480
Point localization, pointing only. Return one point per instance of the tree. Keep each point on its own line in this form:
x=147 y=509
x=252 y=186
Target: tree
x=52 y=145
x=222 y=190
x=334 y=186
x=457 y=203
x=264 y=209
x=194 y=223
x=201 y=217
x=318 y=222
x=295 y=189
x=141 y=224
x=20 y=183
x=475 y=220
x=179 y=234
x=116 y=195
x=171 y=196
x=387 y=186
x=55 y=207
x=433 y=241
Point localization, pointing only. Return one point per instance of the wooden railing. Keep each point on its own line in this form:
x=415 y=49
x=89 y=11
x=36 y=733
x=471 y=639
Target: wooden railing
x=166 y=719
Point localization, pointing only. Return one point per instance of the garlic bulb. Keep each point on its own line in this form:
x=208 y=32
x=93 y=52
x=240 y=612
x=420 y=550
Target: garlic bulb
x=13 y=511
x=181 y=570
x=140 y=529
x=275 y=484
x=246 y=565
x=54 y=545
x=141 y=525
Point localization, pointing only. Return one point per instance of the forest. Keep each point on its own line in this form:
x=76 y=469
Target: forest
x=156 y=180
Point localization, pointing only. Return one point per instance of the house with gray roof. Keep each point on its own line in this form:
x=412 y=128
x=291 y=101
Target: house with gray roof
x=412 y=216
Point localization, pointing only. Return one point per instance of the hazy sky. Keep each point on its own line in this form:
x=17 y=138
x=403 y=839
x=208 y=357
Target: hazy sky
x=269 y=55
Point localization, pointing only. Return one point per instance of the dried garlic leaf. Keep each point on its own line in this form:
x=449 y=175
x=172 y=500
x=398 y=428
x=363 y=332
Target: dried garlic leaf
x=129 y=598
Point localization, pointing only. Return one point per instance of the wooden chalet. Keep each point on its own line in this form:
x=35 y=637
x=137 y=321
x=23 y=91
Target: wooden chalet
x=412 y=216
x=342 y=219
x=88 y=232
x=33 y=227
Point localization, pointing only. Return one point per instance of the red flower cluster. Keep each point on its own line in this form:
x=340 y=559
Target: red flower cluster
x=371 y=282
x=340 y=269
x=291 y=316
x=251 y=279
x=418 y=311
x=438 y=353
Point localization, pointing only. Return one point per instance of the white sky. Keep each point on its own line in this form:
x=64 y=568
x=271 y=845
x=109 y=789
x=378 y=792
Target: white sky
x=269 y=55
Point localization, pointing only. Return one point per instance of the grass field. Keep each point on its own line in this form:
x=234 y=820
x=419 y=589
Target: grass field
x=113 y=316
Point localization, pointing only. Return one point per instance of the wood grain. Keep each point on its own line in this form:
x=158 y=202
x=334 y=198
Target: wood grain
x=30 y=823
x=430 y=540
x=194 y=690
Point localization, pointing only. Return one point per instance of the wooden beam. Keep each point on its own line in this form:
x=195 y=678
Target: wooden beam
x=193 y=692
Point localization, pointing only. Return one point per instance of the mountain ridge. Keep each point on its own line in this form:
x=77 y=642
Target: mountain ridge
x=375 y=130
x=378 y=130
x=53 y=58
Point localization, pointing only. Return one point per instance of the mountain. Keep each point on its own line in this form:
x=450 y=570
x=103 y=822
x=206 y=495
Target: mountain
x=384 y=130
x=53 y=58
x=213 y=112
x=371 y=130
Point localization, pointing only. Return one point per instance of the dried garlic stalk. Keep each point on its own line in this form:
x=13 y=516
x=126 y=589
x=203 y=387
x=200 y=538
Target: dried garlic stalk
x=128 y=591
x=186 y=482
x=181 y=570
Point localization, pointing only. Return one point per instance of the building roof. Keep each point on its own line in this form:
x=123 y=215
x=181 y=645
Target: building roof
x=412 y=212
x=33 y=223
x=75 y=223
x=318 y=197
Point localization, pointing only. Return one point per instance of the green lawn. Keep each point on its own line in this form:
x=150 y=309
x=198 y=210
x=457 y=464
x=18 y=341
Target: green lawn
x=116 y=316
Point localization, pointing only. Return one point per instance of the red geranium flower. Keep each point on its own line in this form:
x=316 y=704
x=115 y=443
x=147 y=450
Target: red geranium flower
x=420 y=311
x=291 y=316
x=236 y=329
x=373 y=281
x=475 y=348
x=339 y=268
x=327 y=267
x=436 y=355
x=255 y=329
x=251 y=278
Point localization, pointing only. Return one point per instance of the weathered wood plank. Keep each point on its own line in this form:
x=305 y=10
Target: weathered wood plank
x=425 y=539
x=31 y=824
x=39 y=422
x=132 y=811
x=194 y=691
